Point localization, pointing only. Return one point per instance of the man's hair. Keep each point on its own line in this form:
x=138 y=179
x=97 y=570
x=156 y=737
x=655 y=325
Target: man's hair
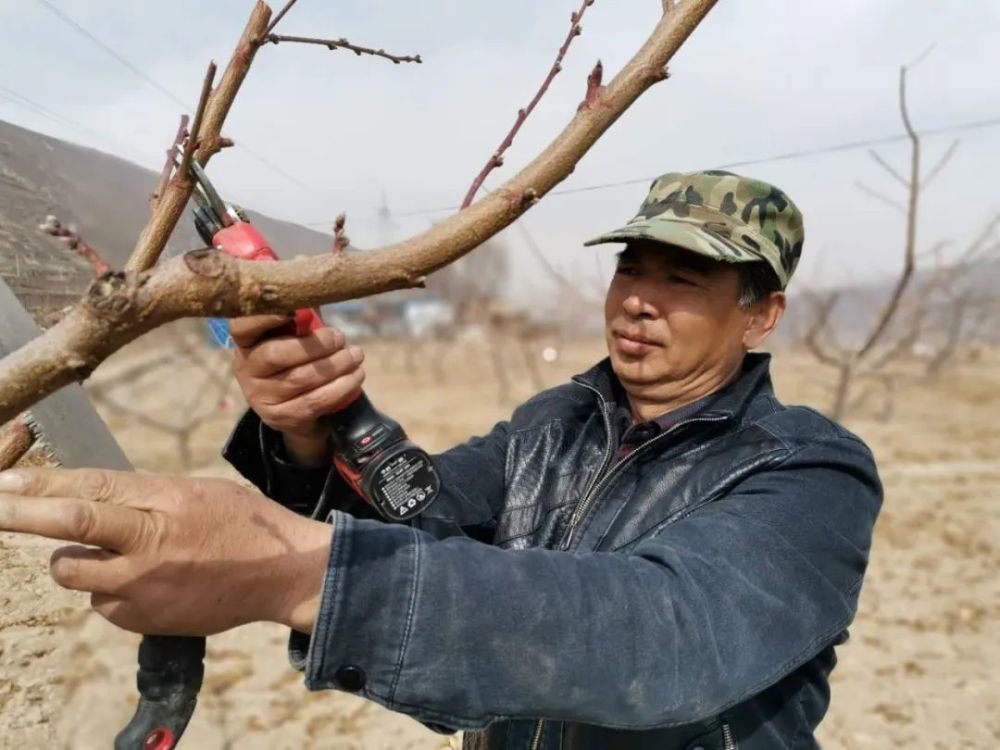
x=757 y=281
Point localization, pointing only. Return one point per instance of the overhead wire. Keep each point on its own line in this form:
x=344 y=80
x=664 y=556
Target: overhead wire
x=135 y=69
x=787 y=156
x=30 y=105
x=19 y=100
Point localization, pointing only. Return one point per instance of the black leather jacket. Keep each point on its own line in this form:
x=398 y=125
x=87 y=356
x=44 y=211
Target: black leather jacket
x=688 y=596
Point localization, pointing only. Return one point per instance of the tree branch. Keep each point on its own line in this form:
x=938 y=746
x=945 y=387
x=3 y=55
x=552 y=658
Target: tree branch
x=824 y=307
x=888 y=168
x=168 y=167
x=129 y=374
x=194 y=137
x=892 y=203
x=936 y=169
x=496 y=159
x=335 y=44
x=905 y=342
x=909 y=249
x=170 y=206
x=934 y=252
x=953 y=336
x=72 y=239
x=980 y=246
x=561 y=281
x=594 y=87
x=340 y=239
x=277 y=19
x=120 y=307
x=15 y=441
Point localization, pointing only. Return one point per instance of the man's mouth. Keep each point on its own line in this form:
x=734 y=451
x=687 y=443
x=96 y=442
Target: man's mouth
x=636 y=338
x=633 y=344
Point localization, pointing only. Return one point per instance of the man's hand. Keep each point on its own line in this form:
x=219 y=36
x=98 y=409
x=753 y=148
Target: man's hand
x=290 y=382
x=171 y=555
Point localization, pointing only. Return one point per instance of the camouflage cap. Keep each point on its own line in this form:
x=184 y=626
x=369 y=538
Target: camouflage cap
x=720 y=215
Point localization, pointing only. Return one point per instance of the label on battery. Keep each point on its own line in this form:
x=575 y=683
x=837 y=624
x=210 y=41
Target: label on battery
x=405 y=483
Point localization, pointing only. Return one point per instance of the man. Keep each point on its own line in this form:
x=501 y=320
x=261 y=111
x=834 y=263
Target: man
x=655 y=555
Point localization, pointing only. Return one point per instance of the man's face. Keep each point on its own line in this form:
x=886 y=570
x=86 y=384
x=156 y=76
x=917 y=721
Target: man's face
x=672 y=321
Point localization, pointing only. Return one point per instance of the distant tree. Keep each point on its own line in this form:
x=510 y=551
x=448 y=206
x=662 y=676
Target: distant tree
x=936 y=312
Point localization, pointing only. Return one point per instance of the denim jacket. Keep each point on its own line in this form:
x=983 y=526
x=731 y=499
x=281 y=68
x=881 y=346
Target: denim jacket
x=689 y=595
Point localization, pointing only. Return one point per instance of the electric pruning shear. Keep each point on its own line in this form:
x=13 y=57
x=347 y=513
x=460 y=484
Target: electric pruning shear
x=370 y=451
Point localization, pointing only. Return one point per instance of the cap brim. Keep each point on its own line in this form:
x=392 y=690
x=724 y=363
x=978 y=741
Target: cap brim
x=684 y=234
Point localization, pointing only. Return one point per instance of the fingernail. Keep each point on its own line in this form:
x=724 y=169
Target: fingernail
x=11 y=481
x=356 y=353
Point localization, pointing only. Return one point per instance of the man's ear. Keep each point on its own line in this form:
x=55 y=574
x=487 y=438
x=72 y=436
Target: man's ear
x=764 y=317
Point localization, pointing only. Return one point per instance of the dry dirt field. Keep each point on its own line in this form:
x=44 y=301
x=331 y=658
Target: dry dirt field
x=918 y=672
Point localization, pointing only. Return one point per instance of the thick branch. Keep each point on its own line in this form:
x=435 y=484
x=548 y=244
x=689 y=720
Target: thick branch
x=121 y=307
x=171 y=205
x=910 y=245
x=194 y=138
x=335 y=44
x=496 y=159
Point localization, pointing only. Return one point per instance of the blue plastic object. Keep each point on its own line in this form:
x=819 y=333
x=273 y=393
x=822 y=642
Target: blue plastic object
x=218 y=333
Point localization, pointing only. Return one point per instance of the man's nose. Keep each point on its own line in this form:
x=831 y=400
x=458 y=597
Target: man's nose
x=635 y=306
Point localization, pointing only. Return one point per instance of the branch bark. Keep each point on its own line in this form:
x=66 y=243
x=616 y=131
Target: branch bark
x=194 y=137
x=910 y=244
x=120 y=307
x=335 y=44
x=170 y=206
x=171 y=162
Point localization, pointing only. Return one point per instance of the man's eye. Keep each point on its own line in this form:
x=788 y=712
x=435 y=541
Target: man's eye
x=676 y=279
x=626 y=270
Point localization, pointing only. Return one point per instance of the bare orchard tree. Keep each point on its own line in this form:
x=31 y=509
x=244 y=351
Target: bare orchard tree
x=914 y=308
x=122 y=305
x=181 y=413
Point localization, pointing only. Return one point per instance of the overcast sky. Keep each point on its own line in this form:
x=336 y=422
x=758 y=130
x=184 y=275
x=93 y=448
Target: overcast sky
x=758 y=78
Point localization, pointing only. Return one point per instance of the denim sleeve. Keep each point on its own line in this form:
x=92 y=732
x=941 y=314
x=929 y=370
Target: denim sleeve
x=257 y=452
x=472 y=480
x=709 y=611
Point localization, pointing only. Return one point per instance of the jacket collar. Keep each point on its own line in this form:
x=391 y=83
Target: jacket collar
x=731 y=402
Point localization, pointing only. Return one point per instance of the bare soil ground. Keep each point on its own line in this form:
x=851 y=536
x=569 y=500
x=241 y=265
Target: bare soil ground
x=918 y=672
